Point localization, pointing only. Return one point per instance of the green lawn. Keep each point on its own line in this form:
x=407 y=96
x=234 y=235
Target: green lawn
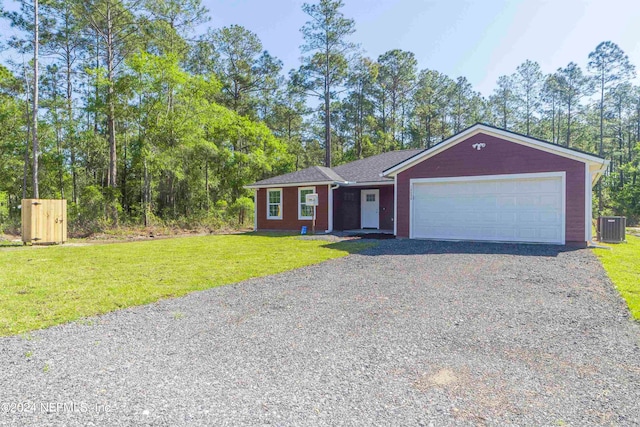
x=45 y=286
x=622 y=264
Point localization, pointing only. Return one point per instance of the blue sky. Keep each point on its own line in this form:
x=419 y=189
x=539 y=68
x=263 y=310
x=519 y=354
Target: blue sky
x=479 y=39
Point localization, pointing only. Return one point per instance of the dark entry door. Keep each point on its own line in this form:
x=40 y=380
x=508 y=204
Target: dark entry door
x=349 y=209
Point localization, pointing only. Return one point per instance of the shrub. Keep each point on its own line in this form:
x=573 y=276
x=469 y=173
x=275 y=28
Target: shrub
x=241 y=211
x=4 y=209
x=88 y=216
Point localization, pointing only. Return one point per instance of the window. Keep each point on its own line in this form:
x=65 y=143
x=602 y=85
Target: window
x=274 y=203
x=304 y=211
x=371 y=197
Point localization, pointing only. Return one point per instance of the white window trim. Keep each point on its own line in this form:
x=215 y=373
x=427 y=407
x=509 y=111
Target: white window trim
x=300 y=201
x=279 y=190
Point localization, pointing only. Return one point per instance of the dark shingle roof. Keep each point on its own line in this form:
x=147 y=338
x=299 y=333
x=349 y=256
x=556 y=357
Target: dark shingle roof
x=312 y=174
x=364 y=170
x=369 y=169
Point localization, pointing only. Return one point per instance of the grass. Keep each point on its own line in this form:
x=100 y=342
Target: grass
x=45 y=286
x=622 y=264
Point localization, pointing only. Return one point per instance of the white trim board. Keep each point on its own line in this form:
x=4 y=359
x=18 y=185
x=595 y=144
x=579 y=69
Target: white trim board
x=366 y=183
x=560 y=174
x=588 y=195
x=505 y=135
x=279 y=217
x=329 y=209
x=300 y=216
x=395 y=205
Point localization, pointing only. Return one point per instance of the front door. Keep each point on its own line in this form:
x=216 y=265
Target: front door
x=370 y=208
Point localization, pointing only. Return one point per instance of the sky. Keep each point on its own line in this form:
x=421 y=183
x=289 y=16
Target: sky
x=478 y=39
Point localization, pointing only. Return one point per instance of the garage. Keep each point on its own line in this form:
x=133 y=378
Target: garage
x=508 y=208
x=489 y=184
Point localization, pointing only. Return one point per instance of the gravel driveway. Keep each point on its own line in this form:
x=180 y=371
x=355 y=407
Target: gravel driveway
x=408 y=333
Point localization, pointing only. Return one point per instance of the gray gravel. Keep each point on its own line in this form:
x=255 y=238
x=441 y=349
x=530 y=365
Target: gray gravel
x=409 y=333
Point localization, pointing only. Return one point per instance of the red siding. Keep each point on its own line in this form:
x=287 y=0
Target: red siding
x=497 y=158
x=290 y=219
x=347 y=214
x=386 y=207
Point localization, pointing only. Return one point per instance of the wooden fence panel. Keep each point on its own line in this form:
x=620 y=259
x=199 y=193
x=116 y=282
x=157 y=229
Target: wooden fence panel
x=44 y=221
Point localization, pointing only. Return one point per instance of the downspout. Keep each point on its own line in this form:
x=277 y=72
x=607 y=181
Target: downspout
x=330 y=207
x=255 y=209
x=395 y=205
x=595 y=176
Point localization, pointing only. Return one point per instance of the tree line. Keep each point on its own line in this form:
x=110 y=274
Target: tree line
x=135 y=118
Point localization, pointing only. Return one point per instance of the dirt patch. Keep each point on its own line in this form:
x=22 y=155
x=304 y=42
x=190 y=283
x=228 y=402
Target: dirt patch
x=441 y=378
x=475 y=397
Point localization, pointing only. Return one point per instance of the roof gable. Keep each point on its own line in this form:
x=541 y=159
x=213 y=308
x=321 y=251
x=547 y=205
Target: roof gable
x=499 y=133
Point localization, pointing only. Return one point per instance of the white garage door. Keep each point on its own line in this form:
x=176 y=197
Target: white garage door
x=510 y=208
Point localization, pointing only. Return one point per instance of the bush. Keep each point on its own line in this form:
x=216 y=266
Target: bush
x=88 y=216
x=4 y=209
x=241 y=211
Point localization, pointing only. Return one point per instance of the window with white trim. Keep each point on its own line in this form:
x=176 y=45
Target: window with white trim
x=304 y=211
x=274 y=203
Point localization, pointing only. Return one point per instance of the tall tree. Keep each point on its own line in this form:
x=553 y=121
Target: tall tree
x=34 y=129
x=462 y=95
x=574 y=85
x=27 y=20
x=431 y=101
x=360 y=83
x=551 y=96
x=115 y=26
x=609 y=65
x=247 y=72
x=396 y=79
x=171 y=21
x=65 y=41
x=326 y=48
x=287 y=122
x=528 y=79
x=503 y=102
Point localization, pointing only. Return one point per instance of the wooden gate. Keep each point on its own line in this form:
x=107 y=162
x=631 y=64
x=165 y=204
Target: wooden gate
x=44 y=221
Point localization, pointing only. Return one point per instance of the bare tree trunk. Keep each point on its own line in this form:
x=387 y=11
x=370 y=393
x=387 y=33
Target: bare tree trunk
x=146 y=193
x=95 y=82
x=601 y=146
x=111 y=125
x=125 y=205
x=70 y=135
x=25 y=172
x=327 y=111
x=36 y=148
x=206 y=180
x=327 y=128
x=58 y=135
